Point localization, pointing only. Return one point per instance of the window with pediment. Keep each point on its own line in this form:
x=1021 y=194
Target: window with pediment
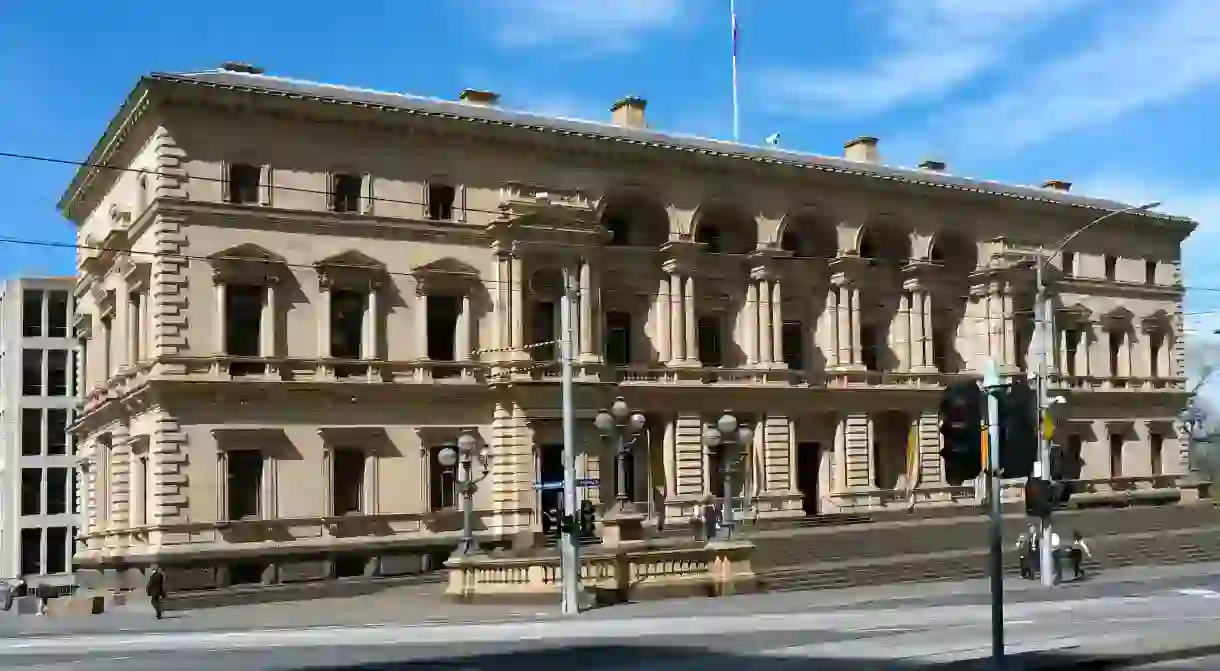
x=245 y=278
x=243 y=182
x=444 y=290
x=349 y=284
x=442 y=197
x=345 y=192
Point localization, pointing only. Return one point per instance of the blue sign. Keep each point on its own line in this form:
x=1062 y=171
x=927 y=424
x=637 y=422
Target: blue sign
x=551 y=486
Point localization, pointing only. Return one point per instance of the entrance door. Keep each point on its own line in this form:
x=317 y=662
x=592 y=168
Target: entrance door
x=549 y=480
x=808 y=458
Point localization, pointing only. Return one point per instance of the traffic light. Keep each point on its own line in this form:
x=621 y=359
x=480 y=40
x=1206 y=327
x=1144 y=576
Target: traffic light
x=961 y=418
x=1018 y=429
x=1039 y=499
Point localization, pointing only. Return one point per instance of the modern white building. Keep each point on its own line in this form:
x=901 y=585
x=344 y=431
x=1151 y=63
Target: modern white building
x=38 y=508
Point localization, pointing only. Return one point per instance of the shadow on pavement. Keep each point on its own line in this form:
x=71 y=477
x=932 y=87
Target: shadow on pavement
x=681 y=658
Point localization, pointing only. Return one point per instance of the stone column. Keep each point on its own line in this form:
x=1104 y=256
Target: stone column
x=144 y=332
x=517 y=309
x=221 y=327
x=751 y=324
x=134 y=332
x=324 y=321
x=590 y=313
x=777 y=324
x=420 y=318
x=499 y=326
x=669 y=448
x=766 y=354
x=372 y=314
x=663 y=314
x=901 y=332
x=828 y=328
x=266 y=329
x=925 y=359
x=691 y=319
x=677 y=310
x=465 y=330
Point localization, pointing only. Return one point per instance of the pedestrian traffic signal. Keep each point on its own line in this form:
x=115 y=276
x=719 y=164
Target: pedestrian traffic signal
x=1038 y=498
x=1018 y=429
x=961 y=419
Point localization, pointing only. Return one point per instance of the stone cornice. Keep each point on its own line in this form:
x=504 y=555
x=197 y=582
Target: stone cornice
x=303 y=99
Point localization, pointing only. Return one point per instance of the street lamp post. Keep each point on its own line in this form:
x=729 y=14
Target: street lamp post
x=1045 y=327
x=622 y=426
x=463 y=455
x=726 y=434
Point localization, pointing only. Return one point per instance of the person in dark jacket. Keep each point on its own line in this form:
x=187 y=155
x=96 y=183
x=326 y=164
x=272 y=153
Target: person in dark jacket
x=156 y=590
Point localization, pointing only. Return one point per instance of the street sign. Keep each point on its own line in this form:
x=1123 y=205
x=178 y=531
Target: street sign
x=551 y=486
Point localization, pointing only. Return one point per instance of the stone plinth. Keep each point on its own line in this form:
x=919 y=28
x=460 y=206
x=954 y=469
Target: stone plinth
x=612 y=574
x=623 y=529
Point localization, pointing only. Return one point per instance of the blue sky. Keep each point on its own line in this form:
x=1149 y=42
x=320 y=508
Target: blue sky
x=1117 y=96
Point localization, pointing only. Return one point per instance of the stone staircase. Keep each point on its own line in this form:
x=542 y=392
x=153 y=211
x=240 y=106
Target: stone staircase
x=1132 y=537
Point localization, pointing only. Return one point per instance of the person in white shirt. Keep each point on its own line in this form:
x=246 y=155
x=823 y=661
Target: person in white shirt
x=1057 y=556
x=1077 y=553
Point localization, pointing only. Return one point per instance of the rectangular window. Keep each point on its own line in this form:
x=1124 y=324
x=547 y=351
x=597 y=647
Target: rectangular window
x=347 y=309
x=618 y=338
x=244 y=183
x=31 y=552
x=1116 y=351
x=57 y=314
x=871 y=339
x=443 y=312
x=57 y=550
x=31 y=432
x=792 y=344
x=1069 y=264
x=1156 y=340
x=57 y=490
x=442 y=482
x=31 y=314
x=107 y=348
x=243 y=319
x=57 y=372
x=73 y=495
x=345 y=193
x=1116 y=456
x=31 y=372
x=1111 y=267
x=1071 y=344
x=709 y=335
x=1150 y=272
x=1156 y=444
x=440 y=202
x=31 y=491
x=57 y=431
x=348 y=481
x=245 y=484
x=543 y=330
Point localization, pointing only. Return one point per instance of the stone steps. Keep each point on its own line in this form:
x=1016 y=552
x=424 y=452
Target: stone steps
x=1108 y=553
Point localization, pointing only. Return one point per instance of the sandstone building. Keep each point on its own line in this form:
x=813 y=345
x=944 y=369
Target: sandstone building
x=291 y=295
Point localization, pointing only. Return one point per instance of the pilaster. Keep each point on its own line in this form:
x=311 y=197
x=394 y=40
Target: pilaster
x=512 y=469
x=169 y=500
x=120 y=477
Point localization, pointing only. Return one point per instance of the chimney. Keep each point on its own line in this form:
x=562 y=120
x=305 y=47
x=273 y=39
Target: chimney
x=930 y=164
x=243 y=68
x=629 y=112
x=862 y=150
x=1057 y=185
x=477 y=97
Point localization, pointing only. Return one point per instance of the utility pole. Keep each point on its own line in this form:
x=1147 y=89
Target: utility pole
x=992 y=382
x=1042 y=467
x=569 y=548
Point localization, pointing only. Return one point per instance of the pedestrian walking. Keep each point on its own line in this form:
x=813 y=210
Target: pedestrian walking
x=1024 y=544
x=1057 y=556
x=6 y=595
x=156 y=590
x=1076 y=553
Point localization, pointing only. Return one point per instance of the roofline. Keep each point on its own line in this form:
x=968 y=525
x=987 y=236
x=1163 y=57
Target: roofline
x=459 y=111
x=106 y=144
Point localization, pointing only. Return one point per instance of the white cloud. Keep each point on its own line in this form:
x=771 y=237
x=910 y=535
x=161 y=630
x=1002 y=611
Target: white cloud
x=1156 y=53
x=936 y=46
x=587 y=26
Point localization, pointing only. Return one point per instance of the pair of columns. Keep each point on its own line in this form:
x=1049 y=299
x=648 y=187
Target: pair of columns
x=910 y=330
x=372 y=312
x=463 y=349
x=510 y=285
x=764 y=322
x=677 y=320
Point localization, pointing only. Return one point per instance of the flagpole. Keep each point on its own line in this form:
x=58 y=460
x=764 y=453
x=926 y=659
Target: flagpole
x=736 y=112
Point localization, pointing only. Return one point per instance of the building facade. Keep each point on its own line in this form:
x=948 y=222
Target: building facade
x=38 y=508
x=292 y=295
